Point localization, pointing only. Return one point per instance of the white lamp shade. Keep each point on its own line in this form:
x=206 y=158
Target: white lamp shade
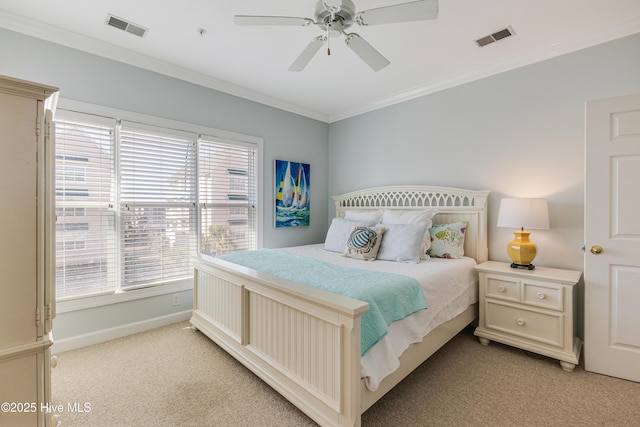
x=524 y=213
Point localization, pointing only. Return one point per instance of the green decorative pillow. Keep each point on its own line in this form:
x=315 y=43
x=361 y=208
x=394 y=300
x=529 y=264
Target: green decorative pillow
x=364 y=243
x=447 y=240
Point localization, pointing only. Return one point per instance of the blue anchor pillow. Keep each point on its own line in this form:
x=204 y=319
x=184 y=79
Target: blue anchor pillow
x=364 y=243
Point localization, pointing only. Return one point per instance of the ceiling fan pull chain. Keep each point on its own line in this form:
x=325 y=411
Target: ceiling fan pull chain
x=332 y=10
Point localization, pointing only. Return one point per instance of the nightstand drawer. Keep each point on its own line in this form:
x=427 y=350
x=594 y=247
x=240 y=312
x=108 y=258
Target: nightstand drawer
x=543 y=294
x=502 y=287
x=530 y=309
x=538 y=326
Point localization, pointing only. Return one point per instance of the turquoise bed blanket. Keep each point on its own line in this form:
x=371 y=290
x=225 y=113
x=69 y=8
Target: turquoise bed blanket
x=390 y=296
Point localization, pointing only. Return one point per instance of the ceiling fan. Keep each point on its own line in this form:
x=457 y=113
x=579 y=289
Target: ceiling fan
x=334 y=17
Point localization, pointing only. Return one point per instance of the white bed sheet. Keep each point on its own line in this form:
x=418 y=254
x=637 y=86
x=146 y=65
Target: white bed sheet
x=449 y=285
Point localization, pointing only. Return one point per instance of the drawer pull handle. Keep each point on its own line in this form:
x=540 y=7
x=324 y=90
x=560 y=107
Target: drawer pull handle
x=520 y=322
x=541 y=295
x=501 y=289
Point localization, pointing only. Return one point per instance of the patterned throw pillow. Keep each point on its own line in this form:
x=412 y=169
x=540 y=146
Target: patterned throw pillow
x=364 y=243
x=447 y=240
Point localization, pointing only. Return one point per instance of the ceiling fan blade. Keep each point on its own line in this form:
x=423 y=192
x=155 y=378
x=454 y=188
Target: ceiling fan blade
x=368 y=53
x=403 y=12
x=271 y=20
x=308 y=53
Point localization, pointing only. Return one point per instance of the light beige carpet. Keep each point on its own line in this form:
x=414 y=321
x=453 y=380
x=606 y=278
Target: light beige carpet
x=173 y=376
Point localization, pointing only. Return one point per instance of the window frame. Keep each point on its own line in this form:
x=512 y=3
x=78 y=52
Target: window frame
x=119 y=296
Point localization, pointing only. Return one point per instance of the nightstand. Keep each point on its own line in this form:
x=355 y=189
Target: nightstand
x=534 y=310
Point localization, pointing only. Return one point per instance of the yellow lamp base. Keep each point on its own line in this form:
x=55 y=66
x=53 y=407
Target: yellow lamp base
x=521 y=250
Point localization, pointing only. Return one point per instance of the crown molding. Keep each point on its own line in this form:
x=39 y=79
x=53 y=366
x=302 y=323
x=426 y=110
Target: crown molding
x=598 y=36
x=37 y=29
x=80 y=42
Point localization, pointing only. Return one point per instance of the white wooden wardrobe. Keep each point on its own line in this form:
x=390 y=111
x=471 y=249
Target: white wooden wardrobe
x=27 y=250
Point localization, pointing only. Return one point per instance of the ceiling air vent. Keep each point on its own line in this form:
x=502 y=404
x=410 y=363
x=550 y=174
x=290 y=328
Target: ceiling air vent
x=498 y=35
x=127 y=26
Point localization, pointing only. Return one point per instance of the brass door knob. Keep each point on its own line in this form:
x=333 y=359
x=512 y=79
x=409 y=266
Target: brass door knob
x=595 y=249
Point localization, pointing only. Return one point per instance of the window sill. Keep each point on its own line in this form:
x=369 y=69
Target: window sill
x=122 y=296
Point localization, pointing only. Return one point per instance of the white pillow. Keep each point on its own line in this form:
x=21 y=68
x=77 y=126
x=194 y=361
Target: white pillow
x=364 y=215
x=396 y=216
x=339 y=230
x=413 y=216
x=403 y=242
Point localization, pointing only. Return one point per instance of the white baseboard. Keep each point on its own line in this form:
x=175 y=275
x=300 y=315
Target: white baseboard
x=72 y=343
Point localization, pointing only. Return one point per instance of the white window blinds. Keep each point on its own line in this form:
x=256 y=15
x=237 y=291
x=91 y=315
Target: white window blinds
x=227 y=195
x=85 y=220
x=157 y=204
x=127 y=201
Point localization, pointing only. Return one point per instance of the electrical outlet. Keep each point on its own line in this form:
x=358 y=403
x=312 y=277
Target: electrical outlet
x=175 y=299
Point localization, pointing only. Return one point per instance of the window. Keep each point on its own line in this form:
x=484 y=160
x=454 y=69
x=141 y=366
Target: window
x=131 y=198
x=157 y=205
x=85 y=220
x=227 y=196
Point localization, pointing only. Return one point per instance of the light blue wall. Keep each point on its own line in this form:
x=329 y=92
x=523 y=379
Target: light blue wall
x=518 y=134
x=89 y=78
x=92 y=79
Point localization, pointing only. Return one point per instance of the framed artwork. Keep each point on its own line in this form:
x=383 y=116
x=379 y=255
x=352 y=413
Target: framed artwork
x=292 y=187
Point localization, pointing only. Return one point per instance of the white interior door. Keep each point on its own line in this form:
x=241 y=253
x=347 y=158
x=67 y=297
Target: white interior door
x=612 y=223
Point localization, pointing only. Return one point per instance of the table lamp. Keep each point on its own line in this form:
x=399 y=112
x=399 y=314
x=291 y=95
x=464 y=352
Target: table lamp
x=523 y=213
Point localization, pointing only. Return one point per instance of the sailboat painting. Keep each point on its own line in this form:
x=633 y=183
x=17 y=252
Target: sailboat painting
x=292 y=185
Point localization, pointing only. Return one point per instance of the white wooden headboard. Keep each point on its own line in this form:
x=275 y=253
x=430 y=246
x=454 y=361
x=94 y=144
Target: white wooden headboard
x=453 y=205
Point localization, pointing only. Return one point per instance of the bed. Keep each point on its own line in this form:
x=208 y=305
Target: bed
x=305 y=342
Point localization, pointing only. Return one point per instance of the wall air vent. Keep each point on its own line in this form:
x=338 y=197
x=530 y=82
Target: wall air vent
x=498 y=35
x=125 y=25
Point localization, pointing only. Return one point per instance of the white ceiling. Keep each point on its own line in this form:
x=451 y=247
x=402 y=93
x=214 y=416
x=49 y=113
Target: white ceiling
x=253 y=62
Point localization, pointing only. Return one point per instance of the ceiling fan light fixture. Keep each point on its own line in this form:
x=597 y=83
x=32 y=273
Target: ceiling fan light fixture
x=335 y=16
x=334 y=28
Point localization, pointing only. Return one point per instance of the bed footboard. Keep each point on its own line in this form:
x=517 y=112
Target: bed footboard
x=303 y=342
